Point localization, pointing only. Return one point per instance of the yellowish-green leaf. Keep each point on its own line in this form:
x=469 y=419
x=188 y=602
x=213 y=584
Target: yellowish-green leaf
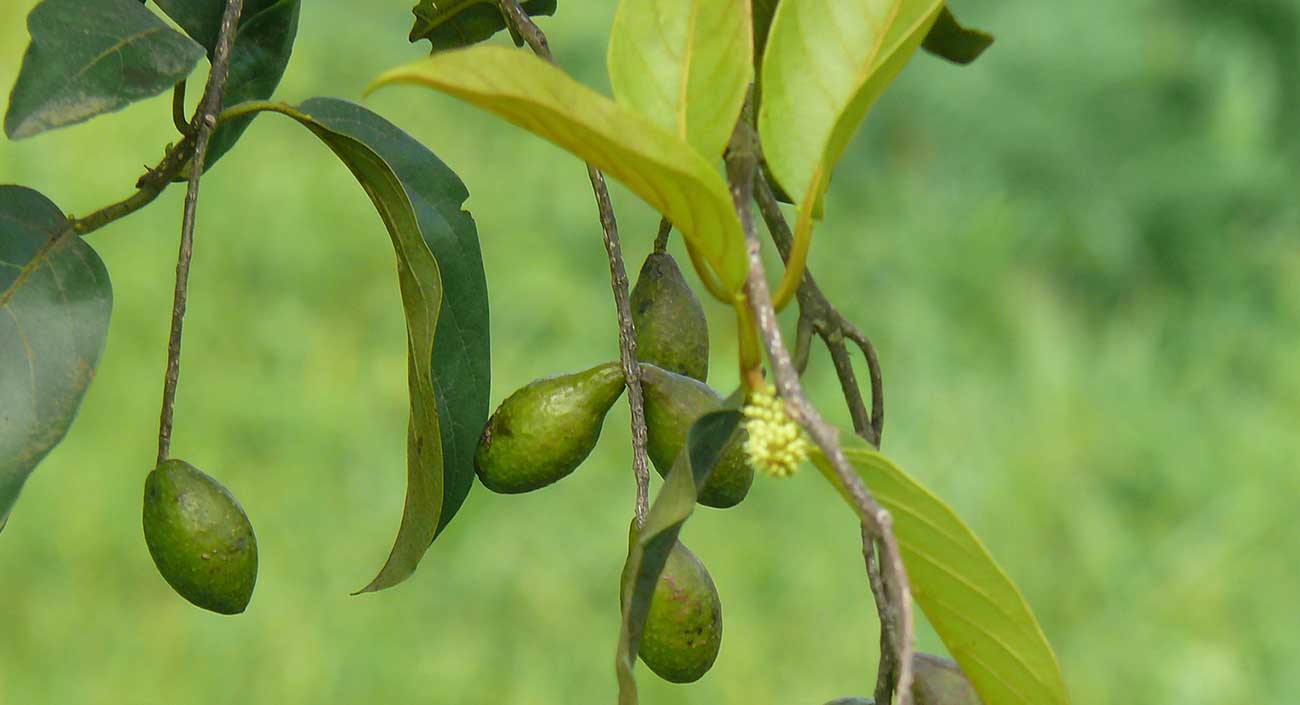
x=826 y=63
x=657 y=166
x=976 y=609
x=685 y=64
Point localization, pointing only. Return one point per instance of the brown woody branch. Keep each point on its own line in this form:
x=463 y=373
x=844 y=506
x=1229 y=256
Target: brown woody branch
x=202 y=126
x=893 y=595
x=522 y=25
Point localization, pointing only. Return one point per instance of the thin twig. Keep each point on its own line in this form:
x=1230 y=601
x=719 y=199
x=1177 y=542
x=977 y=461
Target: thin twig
x=524 y=26
x=661 y=239
x=203 y=124
x=888 y=633
x=178 y=110
x=830 y=325
x=742 y=163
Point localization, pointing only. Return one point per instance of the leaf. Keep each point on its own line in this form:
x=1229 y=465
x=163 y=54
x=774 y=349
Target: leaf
x=826 y=63
x=649 y=550
x=201 y=19
x=444 y=295
x=90 y=57
x=452 y=24
x=55 y=301
x=664 y=171
x=762 y=12
x=978 y=612
x=958 y=44
x=685 y=65
x=258 y=58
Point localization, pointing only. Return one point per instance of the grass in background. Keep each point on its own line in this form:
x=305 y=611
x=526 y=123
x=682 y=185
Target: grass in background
x=1080 y=259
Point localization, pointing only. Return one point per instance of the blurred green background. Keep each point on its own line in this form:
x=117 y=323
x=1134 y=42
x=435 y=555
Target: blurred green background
x=1079 y=258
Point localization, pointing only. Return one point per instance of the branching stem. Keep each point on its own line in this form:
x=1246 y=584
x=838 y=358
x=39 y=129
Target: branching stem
x=896 y=613
x=203 y=124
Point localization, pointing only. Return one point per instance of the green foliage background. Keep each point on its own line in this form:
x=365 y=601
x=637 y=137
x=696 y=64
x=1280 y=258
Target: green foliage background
x=1080 y=259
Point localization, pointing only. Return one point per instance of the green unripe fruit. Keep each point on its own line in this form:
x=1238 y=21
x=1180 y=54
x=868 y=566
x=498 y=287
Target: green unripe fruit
x=543 y=431
x=939 y=681
x=672 y=403
x=683 y=629
x=199 y=537
x=852 y=701
x=671 y=330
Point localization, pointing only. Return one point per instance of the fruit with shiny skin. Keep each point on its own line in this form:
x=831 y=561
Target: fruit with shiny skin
x=544 y=431
x=199 y=537
x=671 y=330
x=672 y=403
x=683 y=629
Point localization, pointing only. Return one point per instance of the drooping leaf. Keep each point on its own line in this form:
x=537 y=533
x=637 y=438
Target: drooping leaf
x=978 y=612
x=444 y=296
x=826 y=63
x=452 y=24
x=649 y=550
x=55 y=300
x=90 y=57
x=258 y=58
x=685 y=65
x=663 y=170
x=950 y=40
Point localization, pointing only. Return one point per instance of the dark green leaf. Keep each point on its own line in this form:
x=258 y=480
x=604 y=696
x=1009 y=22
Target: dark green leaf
x=258 y=58
x=450 y=24
x=649 y=550
x=90 y=57
x=201 y=19
x=257 y=62
x=444 y=295
x=461 y=362
x=763 y=11
x=958 y=44
x=55 y=301
x=978 y=612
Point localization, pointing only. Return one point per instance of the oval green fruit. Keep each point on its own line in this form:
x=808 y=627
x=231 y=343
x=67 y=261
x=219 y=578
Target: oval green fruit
x=671 y=330
x=683 y=629
x=543 y=431
x=199 y=537
x=672 y=403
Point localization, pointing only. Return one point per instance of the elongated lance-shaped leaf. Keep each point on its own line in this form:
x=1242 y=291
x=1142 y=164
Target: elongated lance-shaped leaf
x=685 y=64
x=950 y=40
x=55 y=301
x=90 y=57
x=657 y=166
x=826 y=63
x=452 y=24
x=978 y=612
x=649 y=549
x=444 y=296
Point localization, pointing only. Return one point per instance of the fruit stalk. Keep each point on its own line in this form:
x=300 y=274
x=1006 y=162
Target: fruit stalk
x=742 y=158
x=522 y=25
x=203 y=124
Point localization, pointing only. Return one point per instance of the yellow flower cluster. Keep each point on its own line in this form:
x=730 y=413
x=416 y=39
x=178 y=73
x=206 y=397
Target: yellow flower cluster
x=776 y=444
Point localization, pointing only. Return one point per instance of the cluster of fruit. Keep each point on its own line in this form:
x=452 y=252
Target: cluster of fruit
x=545 y=430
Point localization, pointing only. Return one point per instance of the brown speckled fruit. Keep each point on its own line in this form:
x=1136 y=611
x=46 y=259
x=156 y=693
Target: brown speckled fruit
x=199 y=537
x=683 y=629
